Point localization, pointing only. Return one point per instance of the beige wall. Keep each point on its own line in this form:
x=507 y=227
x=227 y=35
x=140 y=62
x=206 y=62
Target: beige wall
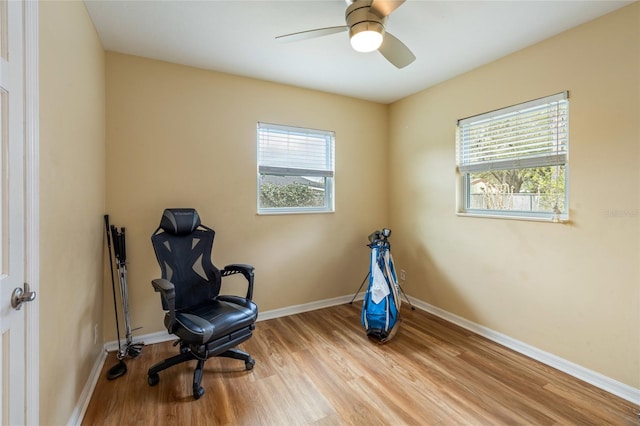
x=573 y=289
x=185 y=137
x=72 y=199
x=178 y=136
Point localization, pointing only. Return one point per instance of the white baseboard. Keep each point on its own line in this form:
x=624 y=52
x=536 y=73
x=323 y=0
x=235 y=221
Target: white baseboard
x=147 y=339
x=603 y=382
x=87 y=392
x=305 y=307
x=163 y=336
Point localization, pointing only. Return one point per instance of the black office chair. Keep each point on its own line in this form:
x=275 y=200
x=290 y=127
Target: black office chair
x=206 y=323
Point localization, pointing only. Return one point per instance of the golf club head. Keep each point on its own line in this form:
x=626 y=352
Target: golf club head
x=117 y=370
x=134 y=350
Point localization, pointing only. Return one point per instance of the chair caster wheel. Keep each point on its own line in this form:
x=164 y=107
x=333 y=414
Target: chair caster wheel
x=249 y=364
x=197 y=393
x=153 y=379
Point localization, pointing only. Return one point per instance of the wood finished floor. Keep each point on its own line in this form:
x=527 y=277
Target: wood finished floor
x=318 y=368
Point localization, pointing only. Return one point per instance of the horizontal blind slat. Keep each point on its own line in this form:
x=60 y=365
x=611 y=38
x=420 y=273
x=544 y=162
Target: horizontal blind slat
x=289 y=171
x=557 y=98
x=295 y=148
x=516 y=135
x=527 y=148
x=515 y=163
x=512 y=130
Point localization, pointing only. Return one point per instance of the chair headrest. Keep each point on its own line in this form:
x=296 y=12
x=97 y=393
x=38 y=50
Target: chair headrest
x=180 y=221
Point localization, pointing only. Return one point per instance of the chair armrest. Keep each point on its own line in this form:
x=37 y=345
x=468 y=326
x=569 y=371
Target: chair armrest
x=245 y=270
x=163 y=286
x=168 y=293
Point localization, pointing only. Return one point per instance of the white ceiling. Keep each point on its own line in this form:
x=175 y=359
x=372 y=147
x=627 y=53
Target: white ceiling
x=238 y=37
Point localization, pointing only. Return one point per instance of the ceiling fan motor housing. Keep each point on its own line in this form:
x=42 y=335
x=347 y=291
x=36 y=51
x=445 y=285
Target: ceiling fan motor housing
x=360 y=17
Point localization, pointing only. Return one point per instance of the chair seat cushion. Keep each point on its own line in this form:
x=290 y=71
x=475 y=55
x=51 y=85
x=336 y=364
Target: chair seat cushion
x=214 y=319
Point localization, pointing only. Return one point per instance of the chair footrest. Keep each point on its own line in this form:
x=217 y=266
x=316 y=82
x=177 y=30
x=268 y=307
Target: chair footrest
x=218 y=346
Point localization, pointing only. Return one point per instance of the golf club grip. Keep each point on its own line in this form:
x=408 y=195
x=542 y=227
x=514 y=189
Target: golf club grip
x=116 y=242
x=106 y=225
x=123 y=246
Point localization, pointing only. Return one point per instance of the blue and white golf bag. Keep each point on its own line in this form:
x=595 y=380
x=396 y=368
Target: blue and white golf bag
x=381 y=305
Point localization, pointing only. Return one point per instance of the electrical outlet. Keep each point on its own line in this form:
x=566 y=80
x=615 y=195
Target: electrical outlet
x=403 y=275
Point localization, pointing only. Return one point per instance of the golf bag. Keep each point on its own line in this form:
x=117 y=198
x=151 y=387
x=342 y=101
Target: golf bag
x=381 y=305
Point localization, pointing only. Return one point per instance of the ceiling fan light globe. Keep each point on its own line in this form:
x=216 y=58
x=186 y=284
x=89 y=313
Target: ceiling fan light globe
x=366 y=41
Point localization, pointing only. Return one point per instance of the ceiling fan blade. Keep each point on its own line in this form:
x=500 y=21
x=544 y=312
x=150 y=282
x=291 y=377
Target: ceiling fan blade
x=384 y=8
x=395 y=51
x=306 y=35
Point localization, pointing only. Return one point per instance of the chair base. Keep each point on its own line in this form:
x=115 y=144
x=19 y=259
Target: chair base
x=201 y=353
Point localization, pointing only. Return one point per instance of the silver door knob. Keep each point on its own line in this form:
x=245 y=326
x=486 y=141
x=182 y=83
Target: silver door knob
x=19 y=296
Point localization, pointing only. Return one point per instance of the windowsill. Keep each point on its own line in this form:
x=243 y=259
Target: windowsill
x=276 y=213
x=563 y=219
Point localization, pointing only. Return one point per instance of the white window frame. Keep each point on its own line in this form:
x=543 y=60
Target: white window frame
x=552 y=152
x=310 y=164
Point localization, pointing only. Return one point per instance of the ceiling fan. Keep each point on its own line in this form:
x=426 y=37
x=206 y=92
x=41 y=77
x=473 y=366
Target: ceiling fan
x=366 y=21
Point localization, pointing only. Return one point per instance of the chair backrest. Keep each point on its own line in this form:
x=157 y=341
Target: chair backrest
x=183 y=249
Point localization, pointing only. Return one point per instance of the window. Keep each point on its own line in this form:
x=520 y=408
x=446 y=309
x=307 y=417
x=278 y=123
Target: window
x=514 y=161
x=295 y=169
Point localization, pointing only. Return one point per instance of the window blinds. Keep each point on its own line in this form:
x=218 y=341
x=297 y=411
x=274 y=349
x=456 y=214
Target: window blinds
x=292 y=151
x=532 y=134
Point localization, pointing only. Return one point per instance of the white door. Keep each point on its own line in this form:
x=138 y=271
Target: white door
x=12 y=213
